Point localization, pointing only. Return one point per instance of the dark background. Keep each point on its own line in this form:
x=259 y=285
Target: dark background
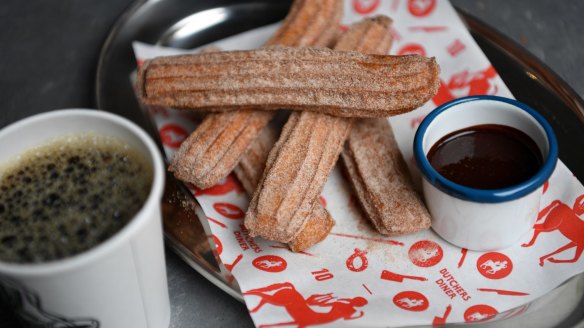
x=49 y=52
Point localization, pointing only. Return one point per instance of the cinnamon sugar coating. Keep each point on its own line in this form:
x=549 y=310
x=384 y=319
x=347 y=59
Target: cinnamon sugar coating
x=213 y=150
x=302 y=159
x=381 y=180
x=249 y=172
x=338 y=83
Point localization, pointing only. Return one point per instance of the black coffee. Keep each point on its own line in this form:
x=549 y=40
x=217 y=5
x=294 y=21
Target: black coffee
x=65 y=197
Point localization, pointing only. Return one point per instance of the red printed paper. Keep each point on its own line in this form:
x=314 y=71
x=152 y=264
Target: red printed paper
x=359 y=278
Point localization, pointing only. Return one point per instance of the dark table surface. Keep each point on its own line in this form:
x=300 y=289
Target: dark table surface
x=48 y=57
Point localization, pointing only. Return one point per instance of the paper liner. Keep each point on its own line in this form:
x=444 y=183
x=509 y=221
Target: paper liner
x=357 y=277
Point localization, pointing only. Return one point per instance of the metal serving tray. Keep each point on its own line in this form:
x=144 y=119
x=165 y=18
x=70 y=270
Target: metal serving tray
x=189 y=24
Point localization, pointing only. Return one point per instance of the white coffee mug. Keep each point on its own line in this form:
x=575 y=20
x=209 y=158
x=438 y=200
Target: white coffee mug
x=483 y=219
x=118 y=283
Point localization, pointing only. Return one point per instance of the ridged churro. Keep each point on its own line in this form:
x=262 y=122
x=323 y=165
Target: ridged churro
x=306 y=152
x=249 y=172
x=381 y=180
x=309 y=24
x=339 y=83
x=212 y=151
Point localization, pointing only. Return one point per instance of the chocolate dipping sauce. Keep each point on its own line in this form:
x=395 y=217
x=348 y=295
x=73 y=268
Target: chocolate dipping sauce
x=488 y=156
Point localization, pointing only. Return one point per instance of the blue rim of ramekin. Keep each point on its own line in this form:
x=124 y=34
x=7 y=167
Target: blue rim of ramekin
x=485 y=195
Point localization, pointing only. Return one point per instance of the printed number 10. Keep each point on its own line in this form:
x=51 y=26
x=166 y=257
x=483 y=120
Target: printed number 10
x=321 y=275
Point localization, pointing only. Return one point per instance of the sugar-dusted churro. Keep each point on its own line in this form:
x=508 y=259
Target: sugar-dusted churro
x=212 y=151
x=251 y=165
x=309 y=24
x=339 y=83
x=305 y=153
x=249 y=172
x=381 y=180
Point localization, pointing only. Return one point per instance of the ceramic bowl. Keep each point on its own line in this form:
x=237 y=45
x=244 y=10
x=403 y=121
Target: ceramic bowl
x=483 y=219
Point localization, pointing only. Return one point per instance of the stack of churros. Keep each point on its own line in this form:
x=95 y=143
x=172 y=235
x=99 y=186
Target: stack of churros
x=339 y=98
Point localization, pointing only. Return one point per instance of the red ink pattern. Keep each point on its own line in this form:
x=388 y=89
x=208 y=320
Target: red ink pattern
x=221 y=224
x=226 y=186
x=301 y=309
x=363 y=263
x=270 y=263
x=494 y=265
x=365 y=7
x=421 y=8
x=230 y=267
x=411 y=301
x=502 y=292
x=392 y=276
x=455 y=48
x=480 y=312
x=425 y=253
x=380 y=240
x=229 y=211
x=559 y=216
x=468 y=83
x=173 y=135
x=463 y=253
x=412 y=49
x=439 y=321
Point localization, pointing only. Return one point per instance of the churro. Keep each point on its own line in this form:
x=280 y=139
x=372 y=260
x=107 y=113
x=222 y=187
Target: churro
x=339 y=83
x=212 y=151
x=306 y=152
x=381 y=180
x=249 y=172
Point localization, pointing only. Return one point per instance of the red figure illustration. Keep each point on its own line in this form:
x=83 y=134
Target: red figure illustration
x=270 y=263
x=559 y=216
x=363 y=263
x=392 y=276
x=480 y=312
x=425 y=253
x=478 y=83
x=494 y=265
x=300 y=309
x=411 y=301
x=439 y=321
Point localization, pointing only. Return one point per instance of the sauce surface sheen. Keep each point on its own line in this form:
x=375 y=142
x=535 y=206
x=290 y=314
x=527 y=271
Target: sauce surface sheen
x=488 y=156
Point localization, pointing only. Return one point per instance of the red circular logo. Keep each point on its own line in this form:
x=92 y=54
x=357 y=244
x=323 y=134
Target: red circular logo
x=421 y=8
x=229 y=211
x=225 y=186
x=365 y=7
x=412 y=49
x=173 y=135
x=218 y=245
x=480 y=312
x=425 y=253
x=270 y=263
x=411 y=301
x=494 y=265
